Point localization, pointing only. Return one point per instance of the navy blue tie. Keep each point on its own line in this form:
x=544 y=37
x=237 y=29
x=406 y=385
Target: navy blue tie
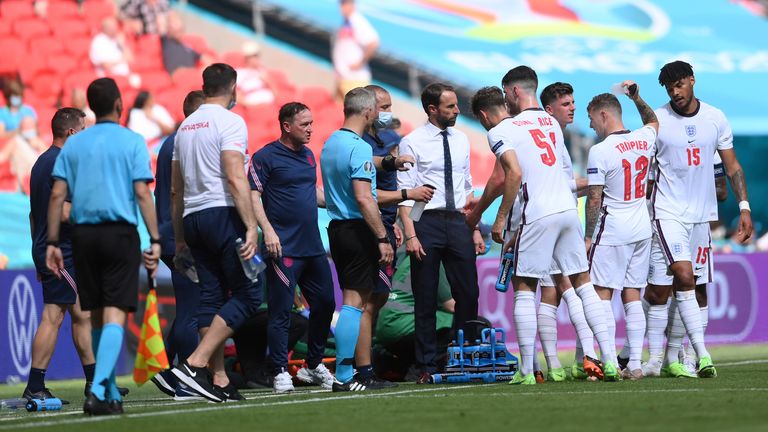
x=450 y=203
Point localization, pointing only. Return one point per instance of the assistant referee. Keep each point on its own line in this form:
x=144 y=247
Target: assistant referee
x=106 y=172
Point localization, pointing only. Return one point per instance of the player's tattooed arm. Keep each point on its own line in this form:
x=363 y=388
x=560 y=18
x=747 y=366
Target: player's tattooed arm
x=647 y=116
x=735 y=174
x=594 y=198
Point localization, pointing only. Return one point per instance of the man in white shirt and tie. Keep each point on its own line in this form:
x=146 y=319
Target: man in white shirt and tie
x=441 y=235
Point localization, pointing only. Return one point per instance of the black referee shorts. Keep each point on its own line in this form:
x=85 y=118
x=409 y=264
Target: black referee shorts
x=355 y=253
x=107 y=259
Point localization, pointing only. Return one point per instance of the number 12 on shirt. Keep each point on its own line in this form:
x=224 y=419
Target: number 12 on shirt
x=641 y=168
x=540 y=139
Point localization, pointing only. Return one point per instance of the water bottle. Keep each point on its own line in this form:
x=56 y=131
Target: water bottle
x=418 y=207
x=14 y=403
x=185 y=264
x=47 y=404
x=251 y=267
x=505 y=272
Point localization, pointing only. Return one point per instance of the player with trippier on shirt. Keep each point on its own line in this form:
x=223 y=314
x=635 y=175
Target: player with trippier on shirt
x=550 y=228
x=683 y=204
x=618 y=226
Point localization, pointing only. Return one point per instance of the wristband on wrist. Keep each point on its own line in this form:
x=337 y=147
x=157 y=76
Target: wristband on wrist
x=411 y=237
x=388 y=163
x=154 y=241
x=744 y=205
x=404 y=193
x=54 y=243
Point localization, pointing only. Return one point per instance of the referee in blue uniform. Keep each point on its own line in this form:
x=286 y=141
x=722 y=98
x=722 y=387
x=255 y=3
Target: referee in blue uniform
x=283 y=176
x=106 y=172
x=183 y=337
x=358 y=240
x=59 y=295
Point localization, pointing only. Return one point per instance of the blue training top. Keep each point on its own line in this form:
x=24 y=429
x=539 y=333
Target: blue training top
x=345 y=157
x=287 y=181
x=382 y=144
x=100 y=165
x=163 y=195
x=40 y=183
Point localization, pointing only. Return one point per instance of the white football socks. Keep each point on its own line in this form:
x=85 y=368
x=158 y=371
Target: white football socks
x=691 y=316
x=579 y=321
x=635 y=319
x=593 y=310
x=610 y=323
x=548 y=334
x=525 y=328
x=675 y=333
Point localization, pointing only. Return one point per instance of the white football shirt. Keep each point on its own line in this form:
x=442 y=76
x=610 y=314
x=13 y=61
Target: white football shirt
x=685 y=151
x=536 y=138
x=621 y=163
x=200 y=140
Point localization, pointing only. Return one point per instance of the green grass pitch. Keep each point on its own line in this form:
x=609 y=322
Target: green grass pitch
x=737 y=400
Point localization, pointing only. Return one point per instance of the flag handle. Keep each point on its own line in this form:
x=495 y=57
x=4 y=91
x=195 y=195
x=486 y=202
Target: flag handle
x=151 y=282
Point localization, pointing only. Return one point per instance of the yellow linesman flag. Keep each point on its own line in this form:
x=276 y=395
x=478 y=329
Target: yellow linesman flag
x=150 y=353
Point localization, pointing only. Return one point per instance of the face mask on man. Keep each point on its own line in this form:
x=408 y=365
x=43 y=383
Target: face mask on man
x=384 y=120
x=15 y=100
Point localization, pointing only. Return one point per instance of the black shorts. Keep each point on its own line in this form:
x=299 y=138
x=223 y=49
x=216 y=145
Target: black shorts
x=385 y=274
x=60 y=291
x=107 y=259
x=355 y=253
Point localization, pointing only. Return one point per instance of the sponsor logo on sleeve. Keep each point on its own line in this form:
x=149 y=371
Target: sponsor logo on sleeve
x=591 y=170
x=497 y=145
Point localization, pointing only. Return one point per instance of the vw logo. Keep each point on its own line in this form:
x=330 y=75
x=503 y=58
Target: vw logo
x=22 y=323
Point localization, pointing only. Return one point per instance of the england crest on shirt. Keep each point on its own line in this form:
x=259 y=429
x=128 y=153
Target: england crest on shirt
x=690 y=130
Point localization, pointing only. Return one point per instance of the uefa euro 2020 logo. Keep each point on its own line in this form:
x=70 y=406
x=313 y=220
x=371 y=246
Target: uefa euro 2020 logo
x=22 y=323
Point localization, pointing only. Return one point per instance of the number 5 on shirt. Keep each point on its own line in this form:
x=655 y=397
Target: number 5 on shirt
x=540 y=139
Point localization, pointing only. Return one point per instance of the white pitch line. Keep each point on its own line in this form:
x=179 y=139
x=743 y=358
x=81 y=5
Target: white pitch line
x=743 y=362
x=219 y=407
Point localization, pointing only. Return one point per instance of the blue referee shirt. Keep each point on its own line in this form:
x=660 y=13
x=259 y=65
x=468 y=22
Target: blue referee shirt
x=345 y=157
x=382 y=144
x=100 y=165
x=40 y=183
x=287 y=181
x=163 y=194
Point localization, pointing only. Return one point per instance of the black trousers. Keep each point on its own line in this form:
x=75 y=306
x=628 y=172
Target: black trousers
x=445 y=238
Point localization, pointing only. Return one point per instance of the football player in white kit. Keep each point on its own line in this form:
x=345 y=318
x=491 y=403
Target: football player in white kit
x=683 y=204
x=550 y=228
x=618 y=226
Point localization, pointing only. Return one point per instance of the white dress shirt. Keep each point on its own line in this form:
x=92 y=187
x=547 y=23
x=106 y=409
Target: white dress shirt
x=425 y=144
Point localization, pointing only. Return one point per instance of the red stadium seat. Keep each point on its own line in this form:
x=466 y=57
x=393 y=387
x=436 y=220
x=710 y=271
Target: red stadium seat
x=188 y=78
x=315 y=97
x=13 y=50
x=62 y=63
x=233 y=58
x=156 y=81
x=96 y=10
x=46 y=85
x=28 y=28
x=173 y=100
x=148 y=45
x=45 y=46
x=78 y=45
x=5 y=28
x=79 y=79
x=59 y=9
x=147 y=63
x=11 y=10
x=196 y=42
x=68 y=27
x=44 y=117
x=32 y=64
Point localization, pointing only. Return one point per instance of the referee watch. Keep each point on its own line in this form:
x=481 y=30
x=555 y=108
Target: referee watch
x=384 y=239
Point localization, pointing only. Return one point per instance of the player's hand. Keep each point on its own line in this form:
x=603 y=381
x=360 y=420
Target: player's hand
x=745 y=230
x=404 y=162
x=413 y=248
x=151 y=257
x=398 y=235
x=472 y=218
x=497 y=230
x=54 y=260
x=421 y=193
x=588 y=243
x=180 y=246
x=272 y=241
x=387 y=254
x=509 y=246
x=471 y=204
x=250 y=247
x=477 y=239
x=631 y=89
